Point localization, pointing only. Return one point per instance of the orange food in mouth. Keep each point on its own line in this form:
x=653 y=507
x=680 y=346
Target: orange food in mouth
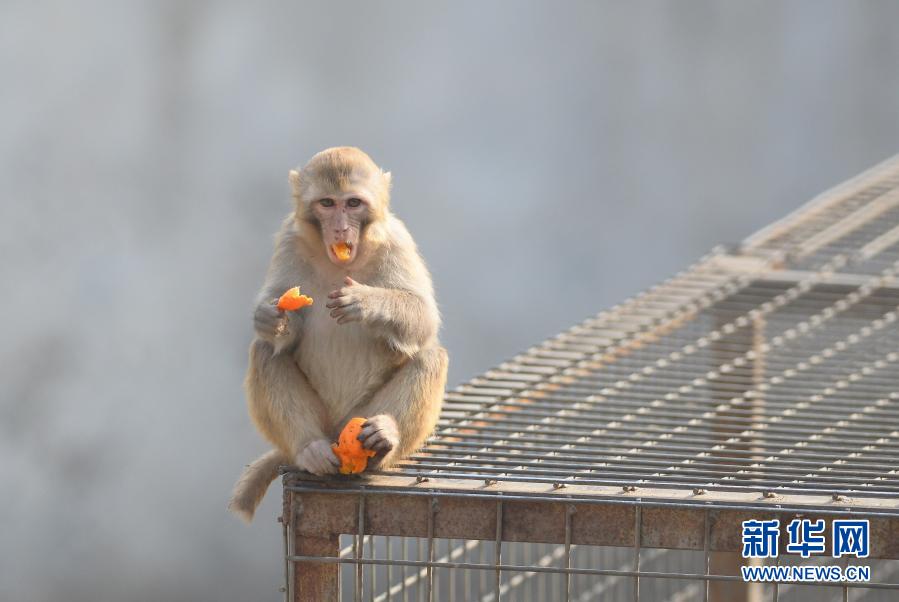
x=353 y=457
x=342 y=251
x=292 y=300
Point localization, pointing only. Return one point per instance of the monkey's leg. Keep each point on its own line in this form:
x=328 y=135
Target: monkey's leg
x=288 y=412
x=412 y=399
x=283 y=405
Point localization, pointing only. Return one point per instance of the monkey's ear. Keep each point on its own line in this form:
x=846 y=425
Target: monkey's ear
x=294 y=178
x=387 y=178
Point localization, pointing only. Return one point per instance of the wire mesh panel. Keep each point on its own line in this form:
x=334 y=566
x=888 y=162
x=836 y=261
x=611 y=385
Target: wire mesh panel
x=617 y=460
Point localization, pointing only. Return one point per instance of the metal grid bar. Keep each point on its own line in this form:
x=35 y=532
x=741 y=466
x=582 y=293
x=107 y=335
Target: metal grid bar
x=762 y=381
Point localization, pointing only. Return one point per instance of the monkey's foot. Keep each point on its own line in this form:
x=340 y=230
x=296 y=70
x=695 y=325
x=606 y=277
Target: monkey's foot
x=318 y=458
x=381 y=435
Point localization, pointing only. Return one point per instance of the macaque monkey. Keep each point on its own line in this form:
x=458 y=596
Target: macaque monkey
x=367 y=346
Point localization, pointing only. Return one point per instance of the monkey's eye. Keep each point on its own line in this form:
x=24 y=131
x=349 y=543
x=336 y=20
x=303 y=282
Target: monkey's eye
x=354 y=202
x=327 y=202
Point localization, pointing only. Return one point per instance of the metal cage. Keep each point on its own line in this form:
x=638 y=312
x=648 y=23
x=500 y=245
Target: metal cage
x=617 y=460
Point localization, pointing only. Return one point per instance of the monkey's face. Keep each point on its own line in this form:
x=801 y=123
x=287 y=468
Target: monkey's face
x=341 y=218
x=341 y=192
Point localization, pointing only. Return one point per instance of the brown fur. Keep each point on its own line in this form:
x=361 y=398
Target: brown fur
x=384 y=360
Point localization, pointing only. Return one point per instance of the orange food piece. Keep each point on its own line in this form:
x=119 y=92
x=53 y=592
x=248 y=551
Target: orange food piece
x=342 y=251
x=292 y=300
x=353 y=457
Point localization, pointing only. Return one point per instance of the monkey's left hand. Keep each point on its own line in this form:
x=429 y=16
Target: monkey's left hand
x=351 y=303
x=380 y=434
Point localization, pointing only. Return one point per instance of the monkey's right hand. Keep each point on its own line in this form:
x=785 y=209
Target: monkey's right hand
x=318 y=458
x=266 y=320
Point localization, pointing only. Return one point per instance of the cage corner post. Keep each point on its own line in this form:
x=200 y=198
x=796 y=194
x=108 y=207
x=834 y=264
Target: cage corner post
x=736 y=415
x=314 y=579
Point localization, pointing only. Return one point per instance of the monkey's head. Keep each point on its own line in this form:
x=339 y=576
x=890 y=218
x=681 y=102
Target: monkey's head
x=344 y=196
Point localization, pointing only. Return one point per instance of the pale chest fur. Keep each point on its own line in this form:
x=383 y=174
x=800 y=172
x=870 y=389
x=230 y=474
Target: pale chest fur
x=344 y=363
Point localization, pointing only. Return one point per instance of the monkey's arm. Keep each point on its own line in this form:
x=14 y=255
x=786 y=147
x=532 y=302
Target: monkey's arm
x=406 y=320
x=285 y=270
x=403 y=318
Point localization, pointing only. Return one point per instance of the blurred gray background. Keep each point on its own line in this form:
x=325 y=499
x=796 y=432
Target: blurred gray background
x=550 y=159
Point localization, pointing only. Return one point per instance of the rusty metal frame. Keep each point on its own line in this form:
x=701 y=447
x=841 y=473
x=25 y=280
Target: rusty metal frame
x=638 y=518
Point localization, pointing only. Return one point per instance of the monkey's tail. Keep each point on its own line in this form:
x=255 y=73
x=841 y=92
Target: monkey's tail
x=253 y=483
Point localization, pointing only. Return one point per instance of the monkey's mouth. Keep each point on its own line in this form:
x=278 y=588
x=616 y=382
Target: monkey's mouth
x=342 y=251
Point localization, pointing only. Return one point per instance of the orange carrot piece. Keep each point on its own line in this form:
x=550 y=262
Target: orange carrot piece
x=353 y=457
x=292 y=300
x=342 y=251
